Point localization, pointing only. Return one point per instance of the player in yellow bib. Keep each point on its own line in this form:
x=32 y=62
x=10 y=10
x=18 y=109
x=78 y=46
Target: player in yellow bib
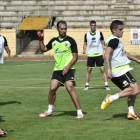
x=65 y=54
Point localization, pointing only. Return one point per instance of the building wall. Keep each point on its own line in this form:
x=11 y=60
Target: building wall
x=78 y=35
x=10 y=35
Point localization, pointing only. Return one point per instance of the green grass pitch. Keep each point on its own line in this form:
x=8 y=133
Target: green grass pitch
x=24 y=87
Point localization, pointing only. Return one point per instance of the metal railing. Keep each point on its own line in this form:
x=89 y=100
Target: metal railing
x=26 y=11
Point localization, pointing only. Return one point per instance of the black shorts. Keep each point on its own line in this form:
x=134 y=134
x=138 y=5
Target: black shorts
x=62 y=79
x=123 y=81
x=95 y=61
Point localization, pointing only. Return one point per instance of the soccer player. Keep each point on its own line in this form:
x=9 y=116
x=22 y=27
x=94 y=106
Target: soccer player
x=3 y=45
x=94 y=42
x=117 y=61
x=65 y=54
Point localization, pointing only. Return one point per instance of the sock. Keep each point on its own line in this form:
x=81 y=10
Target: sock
x=79 y=112
x=114 y=97
x=50 y=108
x=131 y=109
x=87 y=84
x=106 y=83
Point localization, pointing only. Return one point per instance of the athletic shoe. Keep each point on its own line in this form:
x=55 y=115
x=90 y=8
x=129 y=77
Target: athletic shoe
x=107 y=88
x=46 y=114
x=106 y=102
x=2 y=133
x=80 y=116
x=131 y=116
x=86 y=88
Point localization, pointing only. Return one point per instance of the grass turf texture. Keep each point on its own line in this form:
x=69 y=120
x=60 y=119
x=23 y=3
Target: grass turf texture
x=24 y=88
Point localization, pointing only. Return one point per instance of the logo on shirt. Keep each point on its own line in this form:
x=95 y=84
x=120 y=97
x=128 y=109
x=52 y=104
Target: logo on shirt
x=59 y=52
x=93 y=38
x=66 y=44
x=133 y=79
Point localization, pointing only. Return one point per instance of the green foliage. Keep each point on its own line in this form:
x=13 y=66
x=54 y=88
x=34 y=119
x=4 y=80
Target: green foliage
x=24 y=88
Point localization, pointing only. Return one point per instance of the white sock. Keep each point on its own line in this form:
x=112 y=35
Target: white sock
x=79 y=112
x=114 y=97
x=87 y=84
x=50 y=108
x=131 y=109
x=106 y=83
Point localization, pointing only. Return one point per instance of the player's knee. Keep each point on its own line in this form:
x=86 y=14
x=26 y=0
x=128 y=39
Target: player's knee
x=136 y=91
x=52 y=90
x=69 y=88
x=89 y=71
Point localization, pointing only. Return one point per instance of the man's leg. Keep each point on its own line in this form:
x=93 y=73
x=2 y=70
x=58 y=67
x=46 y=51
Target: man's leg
x=52 y=93
x=130 y=91
x=75 y=98
x=89 y=70
x=52 y=96
x=104 y=75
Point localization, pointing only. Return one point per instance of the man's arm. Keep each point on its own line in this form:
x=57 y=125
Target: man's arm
x=73 y=61
x=109 y=50
x=132 y=58
x=43 y=48
x=7 y=50
x=84 y=47
x=103 y=43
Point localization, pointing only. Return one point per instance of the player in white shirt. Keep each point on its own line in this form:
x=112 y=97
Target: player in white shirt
x=94 y=43
x=117 y=61
x=3 y=45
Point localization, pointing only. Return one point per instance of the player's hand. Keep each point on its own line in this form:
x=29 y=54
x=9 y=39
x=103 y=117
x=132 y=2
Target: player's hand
x=40 y=35
x=65 y=70
x=84 y=52
x=8 y=51
x=109 y=75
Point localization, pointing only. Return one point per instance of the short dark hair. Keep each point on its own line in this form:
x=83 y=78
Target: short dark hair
x=115 y=24
x=61 y=21
x=93 y=21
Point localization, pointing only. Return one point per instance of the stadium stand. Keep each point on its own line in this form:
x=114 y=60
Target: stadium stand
x=77 y=13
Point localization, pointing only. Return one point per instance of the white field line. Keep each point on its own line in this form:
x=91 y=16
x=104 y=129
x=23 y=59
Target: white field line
x=42 y=79
x=23 y=65
x=48 y=79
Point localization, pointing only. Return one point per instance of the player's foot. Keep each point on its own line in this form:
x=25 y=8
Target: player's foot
x=106 y=102
x=2 y=133
x=86 y=88
x=46 y=114
x=107 y=87
x=131 y=116
x=80 y=116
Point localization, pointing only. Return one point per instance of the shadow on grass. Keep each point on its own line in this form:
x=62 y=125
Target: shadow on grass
x=6 y=103
x=1 y=120
x=124 y=115
x=70 y=113
x=115 y=116
x=9 y=102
